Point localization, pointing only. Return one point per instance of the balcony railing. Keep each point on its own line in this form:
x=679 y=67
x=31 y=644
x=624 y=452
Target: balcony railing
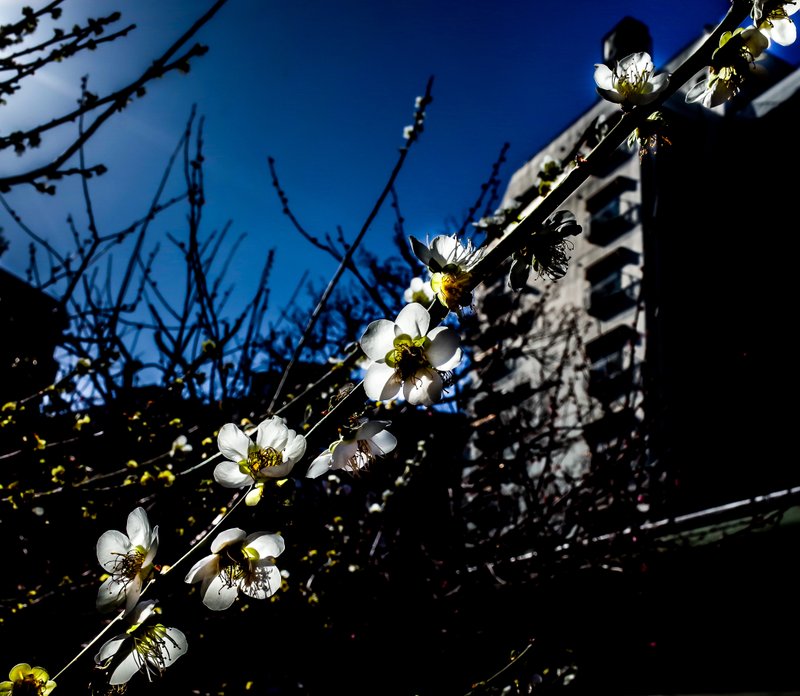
x=605 y=304
x=604 y=230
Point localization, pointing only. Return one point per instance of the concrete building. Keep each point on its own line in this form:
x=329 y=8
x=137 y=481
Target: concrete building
x=677 y=290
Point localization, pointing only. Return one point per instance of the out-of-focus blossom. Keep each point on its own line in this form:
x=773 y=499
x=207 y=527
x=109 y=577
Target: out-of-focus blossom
x=238 y=563
x=772 y=18
x=419 y=291
x=407 y=358
x=129 y=561
x=25 y=680
x=180 y=444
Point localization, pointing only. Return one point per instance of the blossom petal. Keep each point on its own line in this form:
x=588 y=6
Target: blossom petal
x=110 y=546
x=127 y=667
x=278 y=471
x=424 y=388
x=295 y=447
x=219 y=594
x=110 y=594
x=152 y=549
x=421 y=251
x=444 y=353
x=266 y=584
x=266 y=545
x=139 y=528
x=381 y=383
x=611 y=95
x=132 y=593
x=370 y=428
x=273 y=433
x=343 y=453
x=445 y=249
x=204 y=568
x=109 y=648
x=784 y=32
x=226 y=538
x=230 y=475
x=320 y=465
x=173 y=647
x=413 y=320
x=603 y=77
x=378 y=339
x=384 y=441
x=233 y=442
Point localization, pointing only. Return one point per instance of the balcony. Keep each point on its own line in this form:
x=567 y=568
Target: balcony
x=606 y=303
x=607 y=382
x=604 y=229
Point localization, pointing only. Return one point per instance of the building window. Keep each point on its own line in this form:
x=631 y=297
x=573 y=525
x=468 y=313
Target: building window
x=614 y=284
x=611 y=213
x=611 y=373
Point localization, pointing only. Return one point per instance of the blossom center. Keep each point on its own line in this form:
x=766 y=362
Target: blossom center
x=452 y=289
x=408 y=355
x=151 y=649
x=633 y=82
x=127 y=566
x=29 y=685
x=259 y=459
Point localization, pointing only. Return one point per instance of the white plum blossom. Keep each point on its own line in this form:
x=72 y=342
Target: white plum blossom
x=407 y=359
x=418 y=291
x=273 y=454
x=128 y=559
x=238 y=562
x=632 y=81
x=27 y=680
x=148 y=648
x=369 y=441
x=772 y=18
x=450 y=264
x=180 y=444
x=730 y=63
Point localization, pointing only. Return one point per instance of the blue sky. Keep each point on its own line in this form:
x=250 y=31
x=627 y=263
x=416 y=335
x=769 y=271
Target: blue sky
x=326 y=88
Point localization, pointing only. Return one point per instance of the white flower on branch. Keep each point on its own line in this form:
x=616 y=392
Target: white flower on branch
x=632 y=81
x=238 y=563
x=408 y=359
x=369 y=441
x=730 y=64
x=273 y=454
x=450 y=263
x=129 y=561
x=772 y=18
x=546 y=250
x=148 y=648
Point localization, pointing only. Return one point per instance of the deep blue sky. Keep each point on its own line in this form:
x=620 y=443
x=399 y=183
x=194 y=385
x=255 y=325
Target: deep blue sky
x=326 y=88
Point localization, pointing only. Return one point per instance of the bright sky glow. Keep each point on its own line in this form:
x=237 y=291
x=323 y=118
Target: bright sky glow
x=326 y=88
